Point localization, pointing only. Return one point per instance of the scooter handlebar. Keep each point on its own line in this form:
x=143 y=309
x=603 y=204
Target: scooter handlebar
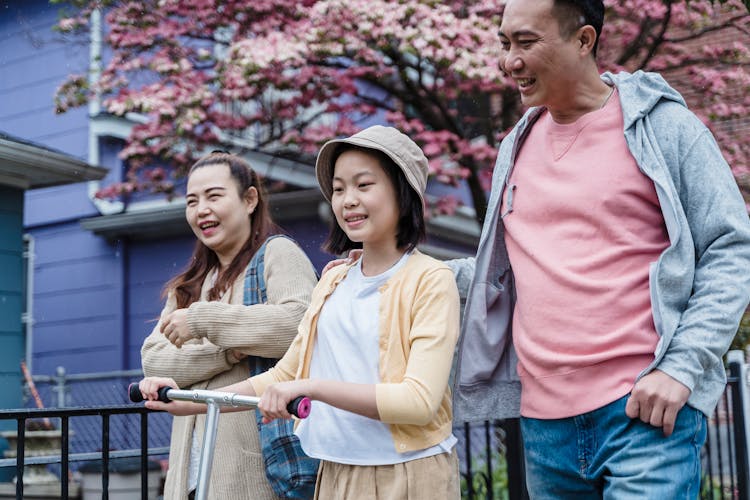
x=299 y=407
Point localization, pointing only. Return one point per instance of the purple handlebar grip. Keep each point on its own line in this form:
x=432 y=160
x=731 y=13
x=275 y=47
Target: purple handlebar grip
x=300 y=407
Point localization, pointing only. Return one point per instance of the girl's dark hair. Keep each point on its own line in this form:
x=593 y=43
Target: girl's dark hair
x=187 y=285
x=411 y=226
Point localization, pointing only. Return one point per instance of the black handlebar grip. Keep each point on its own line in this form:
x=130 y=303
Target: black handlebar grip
x=136 y=397
x=134 y=393
x=162 y=393
x=299 y=407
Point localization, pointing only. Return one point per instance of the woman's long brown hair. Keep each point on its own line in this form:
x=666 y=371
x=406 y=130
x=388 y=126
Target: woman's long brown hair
x=187 y=285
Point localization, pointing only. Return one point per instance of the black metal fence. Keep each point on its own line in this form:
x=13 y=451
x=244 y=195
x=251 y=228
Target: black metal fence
x=491 y=453
x=725 y=454
x=491 y=460
x=105 y=414
x=89 y=390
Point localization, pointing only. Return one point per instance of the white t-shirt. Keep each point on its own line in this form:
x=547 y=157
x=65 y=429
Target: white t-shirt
x=346 y=348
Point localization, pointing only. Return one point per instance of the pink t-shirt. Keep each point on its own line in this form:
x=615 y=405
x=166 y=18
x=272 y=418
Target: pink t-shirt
x=584 y=230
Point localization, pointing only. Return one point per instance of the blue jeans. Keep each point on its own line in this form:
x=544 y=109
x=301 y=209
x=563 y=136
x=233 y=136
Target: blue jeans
x=605 y=454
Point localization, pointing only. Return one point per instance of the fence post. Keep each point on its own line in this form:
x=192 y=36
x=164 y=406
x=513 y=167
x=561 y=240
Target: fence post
x=60 y=387
x=740 y=405
x=515 y=460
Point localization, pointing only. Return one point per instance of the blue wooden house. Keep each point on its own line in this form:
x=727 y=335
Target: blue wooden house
x=94 y=268
x=23 y=166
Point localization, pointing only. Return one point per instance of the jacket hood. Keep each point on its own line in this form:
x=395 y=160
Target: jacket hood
x=642 y=91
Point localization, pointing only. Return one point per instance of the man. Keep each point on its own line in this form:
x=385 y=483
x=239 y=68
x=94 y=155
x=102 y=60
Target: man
x=611 y=274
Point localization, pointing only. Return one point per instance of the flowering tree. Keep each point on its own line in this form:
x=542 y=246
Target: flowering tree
x=283 y=76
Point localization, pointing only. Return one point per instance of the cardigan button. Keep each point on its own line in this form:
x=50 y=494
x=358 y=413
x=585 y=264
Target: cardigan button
x=402 y=446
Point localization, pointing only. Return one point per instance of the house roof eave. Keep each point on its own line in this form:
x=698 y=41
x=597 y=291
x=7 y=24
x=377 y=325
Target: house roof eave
x=26 y=165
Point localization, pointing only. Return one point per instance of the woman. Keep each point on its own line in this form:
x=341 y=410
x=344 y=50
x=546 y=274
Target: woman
x=205 y=333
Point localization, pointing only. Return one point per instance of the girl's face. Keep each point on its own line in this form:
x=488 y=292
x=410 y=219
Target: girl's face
x=216 y=212
x=364 y=200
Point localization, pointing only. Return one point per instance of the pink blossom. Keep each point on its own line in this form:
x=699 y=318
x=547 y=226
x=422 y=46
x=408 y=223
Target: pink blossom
x=288 y=75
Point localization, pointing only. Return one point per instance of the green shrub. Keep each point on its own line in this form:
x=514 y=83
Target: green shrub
x=742 y=338
x=499 y=479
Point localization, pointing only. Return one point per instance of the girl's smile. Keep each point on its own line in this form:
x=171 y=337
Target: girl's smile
x=354 y=221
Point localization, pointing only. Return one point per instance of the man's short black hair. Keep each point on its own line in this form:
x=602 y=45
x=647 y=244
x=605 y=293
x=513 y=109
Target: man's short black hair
x=411 y=225
x=573 y=14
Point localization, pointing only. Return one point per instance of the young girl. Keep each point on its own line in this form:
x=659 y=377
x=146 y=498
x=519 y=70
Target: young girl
x=206 y=332
x=374 y=349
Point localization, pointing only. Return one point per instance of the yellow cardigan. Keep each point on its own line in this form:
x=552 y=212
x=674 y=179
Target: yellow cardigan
x=419 y=322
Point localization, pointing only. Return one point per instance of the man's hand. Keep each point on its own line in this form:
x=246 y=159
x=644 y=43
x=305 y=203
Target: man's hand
x=175 y=327
x=656 y=399
x=353 y=255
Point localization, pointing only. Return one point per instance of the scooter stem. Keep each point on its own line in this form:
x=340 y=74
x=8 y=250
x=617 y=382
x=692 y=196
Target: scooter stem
x=207 y=457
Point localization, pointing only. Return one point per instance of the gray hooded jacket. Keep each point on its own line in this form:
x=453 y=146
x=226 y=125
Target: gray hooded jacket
x=700 y=285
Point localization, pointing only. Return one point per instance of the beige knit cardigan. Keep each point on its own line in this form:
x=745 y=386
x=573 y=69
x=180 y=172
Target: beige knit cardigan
x=208 y=362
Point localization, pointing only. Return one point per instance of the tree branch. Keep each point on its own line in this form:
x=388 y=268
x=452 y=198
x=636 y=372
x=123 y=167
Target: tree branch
x=659 y=38
x=730 y=23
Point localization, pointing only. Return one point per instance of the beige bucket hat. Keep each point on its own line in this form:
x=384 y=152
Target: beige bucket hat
x=396 y=145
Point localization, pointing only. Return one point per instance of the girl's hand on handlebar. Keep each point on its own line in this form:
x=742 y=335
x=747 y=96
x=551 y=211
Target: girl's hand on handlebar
x=276 y=397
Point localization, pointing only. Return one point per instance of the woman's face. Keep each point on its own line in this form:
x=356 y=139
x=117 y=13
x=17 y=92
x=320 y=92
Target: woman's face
x=217 y=214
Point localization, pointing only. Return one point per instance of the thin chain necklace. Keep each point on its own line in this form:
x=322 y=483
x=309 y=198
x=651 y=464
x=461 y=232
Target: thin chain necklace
x=611 y=91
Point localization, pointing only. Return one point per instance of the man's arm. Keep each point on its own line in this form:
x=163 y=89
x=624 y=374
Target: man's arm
x=463 y=271
x=720 y=229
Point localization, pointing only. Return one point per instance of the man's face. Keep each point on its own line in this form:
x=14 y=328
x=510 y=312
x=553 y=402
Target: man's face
x=534 y=54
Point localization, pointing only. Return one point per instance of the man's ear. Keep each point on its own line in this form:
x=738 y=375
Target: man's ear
x=586 y=37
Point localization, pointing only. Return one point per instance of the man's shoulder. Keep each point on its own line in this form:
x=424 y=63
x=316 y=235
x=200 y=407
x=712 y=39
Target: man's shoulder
x=675 y=123
x=649 y=94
